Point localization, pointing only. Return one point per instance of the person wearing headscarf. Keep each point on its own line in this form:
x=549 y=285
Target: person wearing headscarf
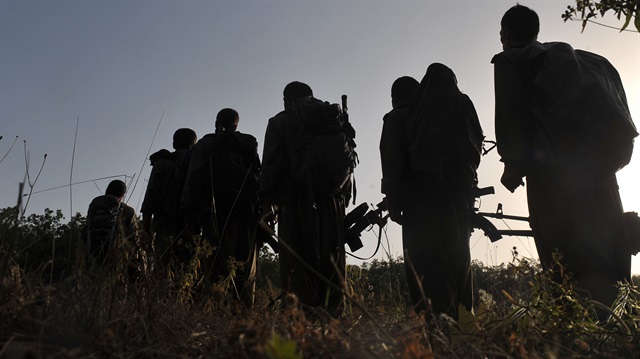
x=441 y=146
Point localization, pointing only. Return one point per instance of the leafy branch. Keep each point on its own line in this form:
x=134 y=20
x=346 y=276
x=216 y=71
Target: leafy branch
x=588 y=10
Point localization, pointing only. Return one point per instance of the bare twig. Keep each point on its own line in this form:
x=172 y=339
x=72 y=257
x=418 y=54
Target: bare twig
x=73 y=156
x=28 y=177
x=10 y=148
x=320 y=276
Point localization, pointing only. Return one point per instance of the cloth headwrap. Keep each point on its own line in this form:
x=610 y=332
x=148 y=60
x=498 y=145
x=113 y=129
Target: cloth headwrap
x=436 y=120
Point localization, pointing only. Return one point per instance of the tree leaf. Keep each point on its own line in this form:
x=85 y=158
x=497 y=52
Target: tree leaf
x=627 y=20
x=280 y=348
x=637 y=21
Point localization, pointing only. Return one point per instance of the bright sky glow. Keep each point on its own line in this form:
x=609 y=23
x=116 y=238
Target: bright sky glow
x=123 y=67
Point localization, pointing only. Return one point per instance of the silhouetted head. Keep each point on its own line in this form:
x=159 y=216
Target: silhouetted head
x=116 y=188
x=518 y=27
x=402 y=90
x=184 y=138
x=442 y=74
x=295 y=90
x=227 y=120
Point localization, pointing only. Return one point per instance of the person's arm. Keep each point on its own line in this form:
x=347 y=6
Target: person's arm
x=513 y=121
x=152 y=197
x=392 y=162
x=273 y=156
x=129 y=222
x=196 y=189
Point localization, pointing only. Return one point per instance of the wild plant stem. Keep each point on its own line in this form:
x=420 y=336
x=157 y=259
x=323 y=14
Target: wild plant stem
x=145 y=157
x=73 y=156
x=10 y=148
x=328 y=282
x=28 y=177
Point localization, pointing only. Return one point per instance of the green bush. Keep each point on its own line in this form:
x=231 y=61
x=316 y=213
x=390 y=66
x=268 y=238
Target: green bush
x=41 y=243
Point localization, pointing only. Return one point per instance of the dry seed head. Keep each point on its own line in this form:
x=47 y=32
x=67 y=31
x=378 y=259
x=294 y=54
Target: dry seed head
x=290 y=300
x=218 y=294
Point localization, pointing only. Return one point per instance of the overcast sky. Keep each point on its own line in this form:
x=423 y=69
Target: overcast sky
x=120 y=69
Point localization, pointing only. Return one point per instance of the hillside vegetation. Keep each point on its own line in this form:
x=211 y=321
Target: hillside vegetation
x=55 y=303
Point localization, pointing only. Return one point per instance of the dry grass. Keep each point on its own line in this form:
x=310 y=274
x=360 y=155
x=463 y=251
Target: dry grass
x=94 y=313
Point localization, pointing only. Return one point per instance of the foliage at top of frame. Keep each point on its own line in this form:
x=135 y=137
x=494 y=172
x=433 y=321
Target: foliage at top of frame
x=587 y=10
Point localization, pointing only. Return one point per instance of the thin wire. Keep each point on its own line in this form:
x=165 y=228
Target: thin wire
x=142 y=193
x=518 y=238
x=95 y=184
x=379 y=237
x=145 y=157
x=75 y=183
x=477 y=240
x=609 y=26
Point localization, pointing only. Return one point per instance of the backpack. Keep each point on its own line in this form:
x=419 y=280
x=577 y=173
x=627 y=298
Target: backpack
x=177 y=167
x=103 y=224
x=632 y=224
x=323 y=152
x=580 y=104
x=235 y=167
x=170 y=171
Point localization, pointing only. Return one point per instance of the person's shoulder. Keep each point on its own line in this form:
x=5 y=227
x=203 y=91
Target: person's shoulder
x=245 y=137
x=507 y=56
x=279 y=117
x=159 y=156
x=247 y=140
x=519 y=53
x=209 y=137
x=204 y=142
x=397 y=114
x=465 y=98
x=103 y=201
x=127 y=210
x=279 y=122
x=105 y=198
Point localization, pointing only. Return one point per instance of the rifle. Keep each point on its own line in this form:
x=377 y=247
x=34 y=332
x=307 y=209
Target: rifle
x=479 y=219
x=348 y=129
x=266 y=232
x=360 y=218
x=264 y=235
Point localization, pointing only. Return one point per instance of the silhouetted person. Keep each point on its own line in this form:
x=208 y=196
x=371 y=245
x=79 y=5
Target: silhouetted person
x=310 y=221
x=393 y=157
x=161 y=216
x=111 y=232
x=430 y=150
x=562 y=121
x=220 y=198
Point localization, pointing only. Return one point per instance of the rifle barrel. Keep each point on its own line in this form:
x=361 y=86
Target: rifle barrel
x=504 y=216
x=516 y=232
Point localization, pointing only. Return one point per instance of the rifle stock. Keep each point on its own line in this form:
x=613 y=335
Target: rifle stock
x=266 y=233
x=478 y=221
